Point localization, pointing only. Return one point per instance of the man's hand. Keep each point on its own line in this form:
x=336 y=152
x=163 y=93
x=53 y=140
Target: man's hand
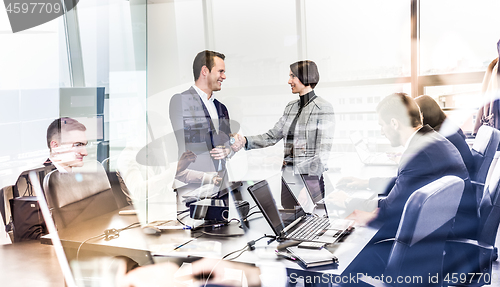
x=352 y=183
x=363 y=217
x=216 y=180
x=220 y=152
x=239 y=143
x=186 y=159
x=225 y=272
x=338 y=197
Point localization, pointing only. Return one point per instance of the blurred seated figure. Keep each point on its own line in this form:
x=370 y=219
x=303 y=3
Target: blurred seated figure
x=428 y=156
x=204 y=272
x=67 y=142
x=433 y=115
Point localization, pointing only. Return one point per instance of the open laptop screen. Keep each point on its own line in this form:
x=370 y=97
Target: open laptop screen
x=312 y=185
x=261 y=194
x=290 y=204
x=277 y=218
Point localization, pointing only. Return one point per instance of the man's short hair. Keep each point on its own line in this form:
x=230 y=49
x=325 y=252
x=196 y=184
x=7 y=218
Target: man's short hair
x=401 y=107
x=307 y=72
x=205 y=58
x=62 y=124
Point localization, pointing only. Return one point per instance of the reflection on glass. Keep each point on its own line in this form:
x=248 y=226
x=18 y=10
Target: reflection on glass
x=450 y=42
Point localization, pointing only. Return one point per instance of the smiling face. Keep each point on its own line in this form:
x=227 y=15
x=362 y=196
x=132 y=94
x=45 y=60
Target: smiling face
x=296 y=84
x=70 y=150
x=217 y=75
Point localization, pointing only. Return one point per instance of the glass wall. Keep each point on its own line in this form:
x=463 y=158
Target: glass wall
x=89 y=64
x=33 y=68
x=133 y=57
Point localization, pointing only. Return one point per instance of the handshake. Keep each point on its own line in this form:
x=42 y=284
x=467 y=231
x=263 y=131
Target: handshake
x=237 y=142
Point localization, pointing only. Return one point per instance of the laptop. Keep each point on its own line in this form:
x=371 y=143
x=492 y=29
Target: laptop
x=294 y=223
x=96 y=271
x=366 y=156
x=313 y=187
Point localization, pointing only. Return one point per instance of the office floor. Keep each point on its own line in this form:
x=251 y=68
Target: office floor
x=4 y=237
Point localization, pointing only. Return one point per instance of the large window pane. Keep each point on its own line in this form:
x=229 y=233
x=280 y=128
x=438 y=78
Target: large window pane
x=32 y=70
x=359 y=39
x=460 y=103
x=458 y=35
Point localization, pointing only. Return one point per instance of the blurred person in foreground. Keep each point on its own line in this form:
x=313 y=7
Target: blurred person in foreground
x=204 y=272
x=433 y=115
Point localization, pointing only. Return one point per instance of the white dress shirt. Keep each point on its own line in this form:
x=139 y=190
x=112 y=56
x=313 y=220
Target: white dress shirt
x=209 y=103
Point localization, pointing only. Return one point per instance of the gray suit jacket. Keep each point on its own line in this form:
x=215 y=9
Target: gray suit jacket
x=313 y=135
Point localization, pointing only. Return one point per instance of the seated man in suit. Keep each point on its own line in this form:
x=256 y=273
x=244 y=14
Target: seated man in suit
x=67 y=142
x=428 y=156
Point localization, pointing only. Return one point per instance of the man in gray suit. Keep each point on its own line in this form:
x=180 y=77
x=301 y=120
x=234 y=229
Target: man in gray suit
x=200 y=122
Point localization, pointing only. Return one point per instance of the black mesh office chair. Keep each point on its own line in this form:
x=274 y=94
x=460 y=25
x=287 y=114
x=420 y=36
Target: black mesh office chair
x=418 y=248
x=77 y=197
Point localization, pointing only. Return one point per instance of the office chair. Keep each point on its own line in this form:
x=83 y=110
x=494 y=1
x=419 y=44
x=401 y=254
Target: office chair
x=77 y=197
x=483 y=151
x=118 y=185
x=418 y=248
x=479 y=254
x=492 y=167
x=5 y=196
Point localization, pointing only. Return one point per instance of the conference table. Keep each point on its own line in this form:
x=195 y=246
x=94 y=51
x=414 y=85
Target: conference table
x=80 y=240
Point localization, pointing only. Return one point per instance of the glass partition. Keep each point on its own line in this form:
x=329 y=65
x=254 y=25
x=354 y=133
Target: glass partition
x=130 y=57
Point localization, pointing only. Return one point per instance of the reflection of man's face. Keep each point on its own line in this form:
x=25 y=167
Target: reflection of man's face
x=389 y=132
x=72 y=148
x=216 y=75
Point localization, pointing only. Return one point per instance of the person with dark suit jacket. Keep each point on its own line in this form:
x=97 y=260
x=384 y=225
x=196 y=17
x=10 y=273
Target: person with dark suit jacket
x=434 y=116
x=428 y=156
x=200 y=122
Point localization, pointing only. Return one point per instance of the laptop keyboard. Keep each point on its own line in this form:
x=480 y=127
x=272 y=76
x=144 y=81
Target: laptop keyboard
x=312 y=228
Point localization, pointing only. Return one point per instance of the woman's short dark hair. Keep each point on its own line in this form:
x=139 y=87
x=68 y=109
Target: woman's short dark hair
x=307 y=72
x=432 y=113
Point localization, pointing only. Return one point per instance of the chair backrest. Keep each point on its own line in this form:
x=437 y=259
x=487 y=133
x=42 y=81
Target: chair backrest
x=483 y=152
x=5 y=196
x=77 y=197
x=489 y=209
x=117 y=183
x=491 y=169
x=425 y=224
